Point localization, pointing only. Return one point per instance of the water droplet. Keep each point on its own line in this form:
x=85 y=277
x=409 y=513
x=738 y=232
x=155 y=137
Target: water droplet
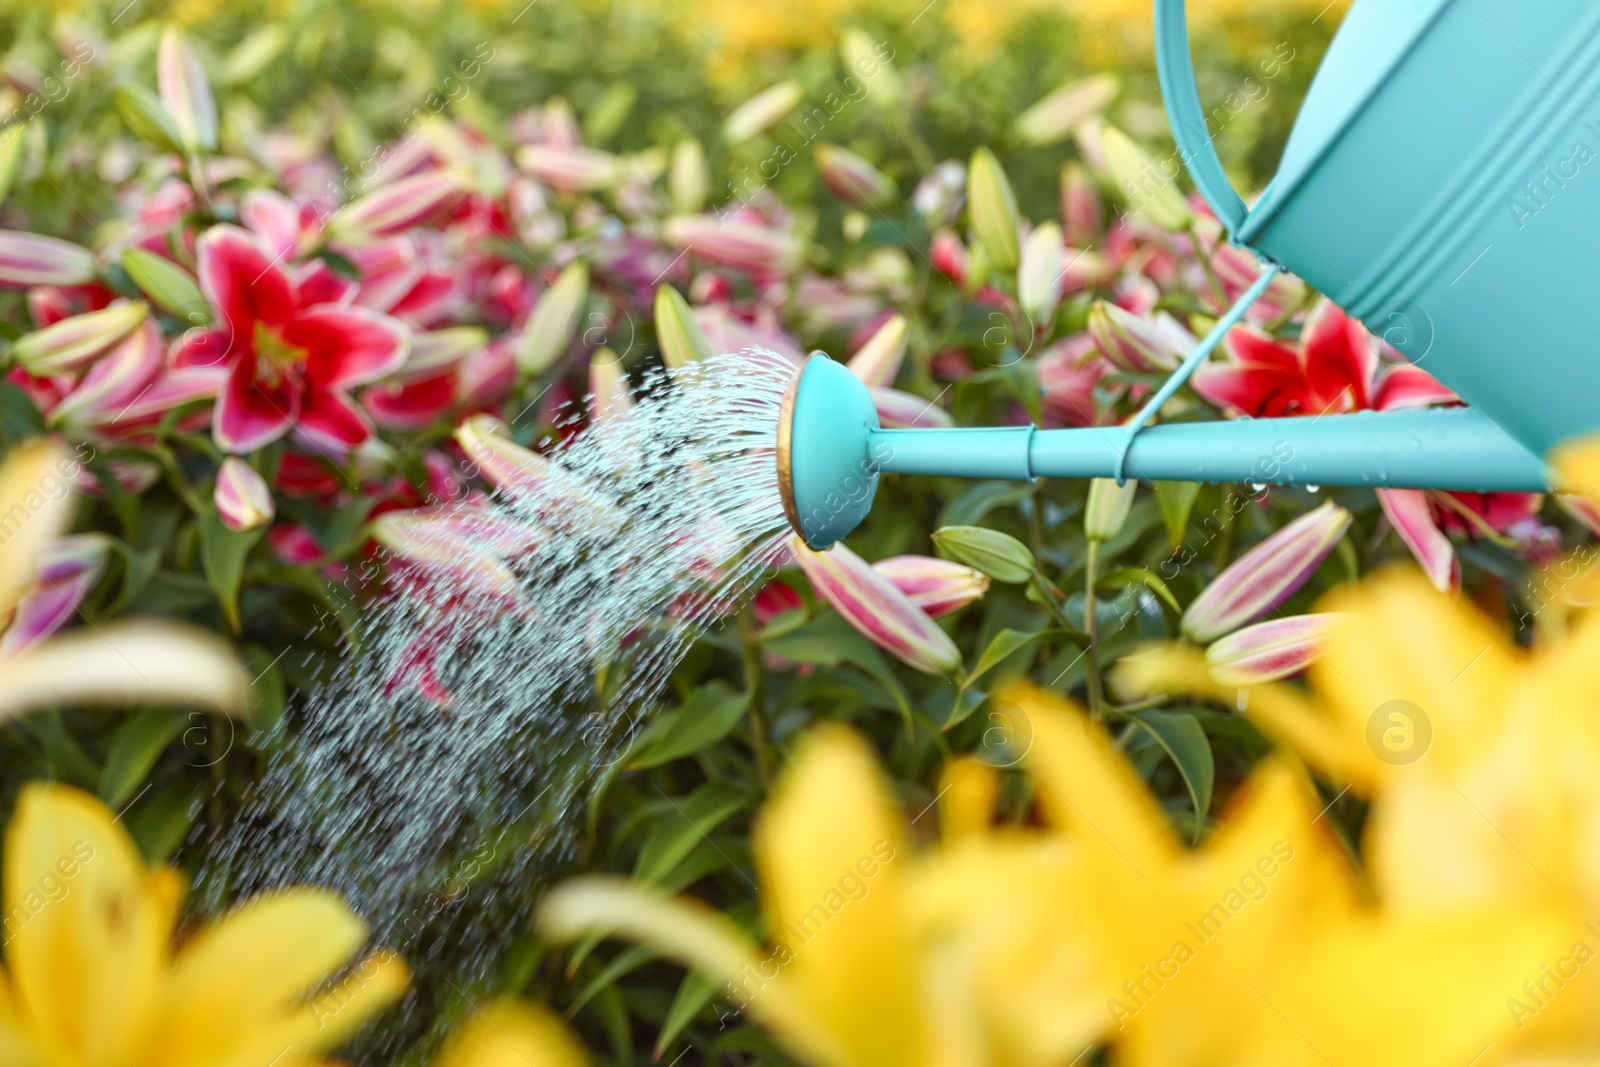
x=1313 y=488
x=1257 y=487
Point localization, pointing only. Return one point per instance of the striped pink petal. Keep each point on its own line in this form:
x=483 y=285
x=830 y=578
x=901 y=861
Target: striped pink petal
x=400 y=206
x=1412 y=518
x=881 y=612
x=937 y=586
x=72 y=342
x=28 y=259
x=1269 y=650
x=907 y=411
x=241 y=496
x=1265 y=576
x=735 y=244
x=67 y=571
x=114 y=382
x=572 y=169
x=185 y=92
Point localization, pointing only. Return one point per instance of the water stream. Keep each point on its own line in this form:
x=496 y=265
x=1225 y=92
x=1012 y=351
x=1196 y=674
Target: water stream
x=439 y=777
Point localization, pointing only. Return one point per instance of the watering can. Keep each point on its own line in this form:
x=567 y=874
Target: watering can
x=1441 y=184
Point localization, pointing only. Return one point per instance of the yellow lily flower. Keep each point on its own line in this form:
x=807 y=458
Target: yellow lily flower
x=840 y=983
x=509 y=1034
x=91 y=978
x=1482 y=761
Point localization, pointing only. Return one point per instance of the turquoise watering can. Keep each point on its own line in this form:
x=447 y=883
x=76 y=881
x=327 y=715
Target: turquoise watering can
x=1442 y=184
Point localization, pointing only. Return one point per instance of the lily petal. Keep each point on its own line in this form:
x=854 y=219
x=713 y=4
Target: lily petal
x=879 y=611
x=1269 y=650
x=1412 y=518
x=130 y=662
x=348 y=346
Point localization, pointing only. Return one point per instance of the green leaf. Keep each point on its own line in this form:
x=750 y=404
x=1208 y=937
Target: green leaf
x=829 y=640
x=168 y=284
x=967 y=701
x=628 y=959
x=1177 y=501
x=1184 y=740
x=694 y=993
x=980 y=499
x=687 y=823
x=138 y=568
x=147 y=118
x=222 y=554
x=134 y=750
x=1142 y=576
x=709 y=715
x=268 y=690
x=1007 y=642
x=161 y=821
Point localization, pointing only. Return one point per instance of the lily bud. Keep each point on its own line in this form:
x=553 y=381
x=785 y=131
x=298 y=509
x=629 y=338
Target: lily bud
x=71 y=343
x=852 y=178
x=1150 y=192
x=938 y=197
x=401 y=205
x=689 y=180
x=1000 y=556
x=1108 y=507
x=113 y=382
x=761 y=111
x=906 y=411
x=877 y=363
x=242 y=498
x=554 y=320
x=1265 y=576
x=1269 y=650
x=147 y=118
x=169 y=285
x=735 y=244
x=1130 y=342
x=1081 y=212
x=937 y=586
x=574 y=170
x=66 y=572
x=1053 y=118
x=531 y=479
x=462 y=543
x=1039 y=277
x=879 y=611
x=865 y=60
x=609 y=393
x=32 y=259
x=992 y=209
x=185 y=92
x=681 y=339
x=949 y=256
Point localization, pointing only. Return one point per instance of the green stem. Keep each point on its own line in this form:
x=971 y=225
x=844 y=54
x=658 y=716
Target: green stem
x=1092 y=653
x=751 y=650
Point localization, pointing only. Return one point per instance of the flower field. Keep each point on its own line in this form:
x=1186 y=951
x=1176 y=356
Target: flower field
x=294 y=294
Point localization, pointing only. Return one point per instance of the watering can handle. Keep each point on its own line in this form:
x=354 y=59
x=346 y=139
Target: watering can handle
x=1188 y=118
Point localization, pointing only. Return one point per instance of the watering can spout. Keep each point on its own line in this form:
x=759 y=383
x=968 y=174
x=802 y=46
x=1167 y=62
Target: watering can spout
x=831 y=452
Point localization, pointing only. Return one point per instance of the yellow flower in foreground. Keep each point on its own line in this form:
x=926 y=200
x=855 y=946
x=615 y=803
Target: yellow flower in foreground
x=840 y=983
x=512 y=1035
x=1025 y=946
x=91 y=978
x=1482 y=761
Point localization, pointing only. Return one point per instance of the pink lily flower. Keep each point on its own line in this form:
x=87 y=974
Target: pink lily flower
x=1070 y=372
x=1336 y=368
x=428 y=386
x=949 y=256
x=290 y=362
x=877 y=608
x=734 y=243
